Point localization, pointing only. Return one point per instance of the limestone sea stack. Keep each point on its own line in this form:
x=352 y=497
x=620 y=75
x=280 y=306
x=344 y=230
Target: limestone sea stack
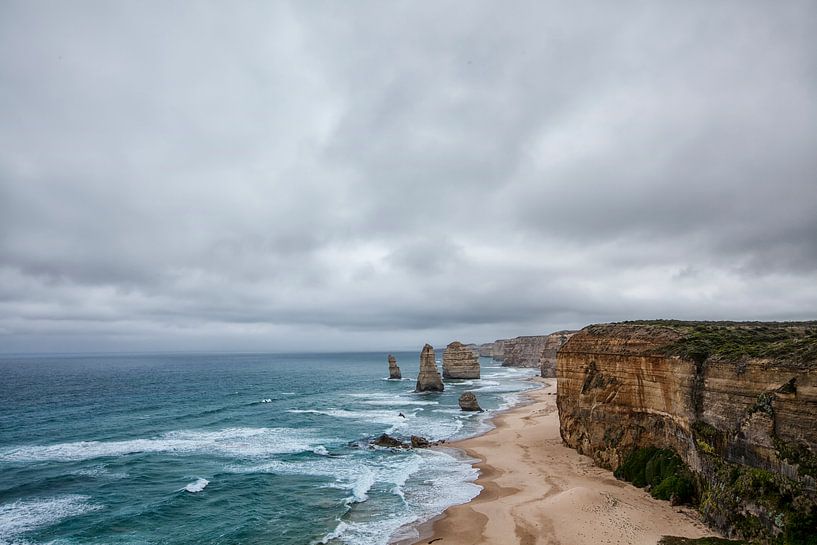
x=460 y=361
x=394 y=370
x=468 y=402
x=429 y=379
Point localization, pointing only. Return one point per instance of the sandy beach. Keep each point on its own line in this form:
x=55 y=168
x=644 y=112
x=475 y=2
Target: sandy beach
x=537 y=491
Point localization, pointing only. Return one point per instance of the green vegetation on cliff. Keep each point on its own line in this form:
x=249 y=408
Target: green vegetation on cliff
x=660 y=469
x=793 y=343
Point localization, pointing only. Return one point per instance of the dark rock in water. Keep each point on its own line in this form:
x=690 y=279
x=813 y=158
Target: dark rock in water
x=394 y=370
x=429 y=379
x=468 y=402
x=388 y=441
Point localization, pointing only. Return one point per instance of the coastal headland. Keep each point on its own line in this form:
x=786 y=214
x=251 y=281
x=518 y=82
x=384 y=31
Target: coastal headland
x=538 y=491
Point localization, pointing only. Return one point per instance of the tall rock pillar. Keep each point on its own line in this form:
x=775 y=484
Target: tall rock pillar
x=429 y=379
x=394 y=370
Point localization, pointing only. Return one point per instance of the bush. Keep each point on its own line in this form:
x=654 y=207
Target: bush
x=660 y=469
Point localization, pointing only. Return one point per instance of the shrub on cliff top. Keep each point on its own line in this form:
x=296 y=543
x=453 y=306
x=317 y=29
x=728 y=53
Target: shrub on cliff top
x=784 y=342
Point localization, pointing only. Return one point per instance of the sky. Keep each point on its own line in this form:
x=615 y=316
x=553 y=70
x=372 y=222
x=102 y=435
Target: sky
x=298 y=176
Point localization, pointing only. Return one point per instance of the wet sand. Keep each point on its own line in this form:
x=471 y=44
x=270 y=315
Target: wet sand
x=537 y=491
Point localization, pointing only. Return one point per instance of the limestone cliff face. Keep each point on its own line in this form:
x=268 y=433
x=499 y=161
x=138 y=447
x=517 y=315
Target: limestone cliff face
x=394 y=370
x=547 y=359
x=523 y=351
x=723 y=410
x=528 y=351
x=486 y=350
x=429 y=380
x=460 y=361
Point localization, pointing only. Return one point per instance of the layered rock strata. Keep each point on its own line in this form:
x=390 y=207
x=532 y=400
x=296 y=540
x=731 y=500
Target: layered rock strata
x=459 y=361
x=547 y=359
x=394 y=369
x=468 y=402
x=528 y=351
x=736 y=401
x=429 y=380
x=523 y=351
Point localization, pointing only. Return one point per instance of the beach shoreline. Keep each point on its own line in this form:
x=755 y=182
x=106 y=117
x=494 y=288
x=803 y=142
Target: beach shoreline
x=535 y=490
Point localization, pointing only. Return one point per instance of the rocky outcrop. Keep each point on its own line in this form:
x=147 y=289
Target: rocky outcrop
x=547 y=359
x=468 y=402
x=485 y=350
x=736 y=401
x=415 y=441
x=429 y=380
x=459 y=361
x=498 y=349
x=473 y=348
x=394 y=370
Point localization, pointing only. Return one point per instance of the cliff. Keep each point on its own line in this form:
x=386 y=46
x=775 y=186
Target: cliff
x=429 y=380
x=523 y=351
x=528 y=351
x=460 y=361
x=737 y=402
x=547 y=359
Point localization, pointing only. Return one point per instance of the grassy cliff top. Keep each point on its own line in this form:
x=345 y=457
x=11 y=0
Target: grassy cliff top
x=793 y=343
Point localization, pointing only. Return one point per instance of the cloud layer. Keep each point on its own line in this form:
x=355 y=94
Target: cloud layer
x=297 y=176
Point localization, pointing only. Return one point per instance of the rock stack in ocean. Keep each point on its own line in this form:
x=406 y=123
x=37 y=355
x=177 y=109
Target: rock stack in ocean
x=468 y=402
x=460 y=361
x=394 y=370
x=429 y=379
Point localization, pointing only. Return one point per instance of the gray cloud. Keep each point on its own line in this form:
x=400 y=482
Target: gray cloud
x=331 y=176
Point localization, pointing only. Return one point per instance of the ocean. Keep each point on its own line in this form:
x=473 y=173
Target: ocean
x=230 y=448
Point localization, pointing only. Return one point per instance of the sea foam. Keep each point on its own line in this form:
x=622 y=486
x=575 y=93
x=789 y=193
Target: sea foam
x=230 y=442
x=23 y=516
x=196 y=486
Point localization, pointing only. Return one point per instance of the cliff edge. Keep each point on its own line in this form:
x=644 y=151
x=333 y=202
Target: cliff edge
x=735 y=401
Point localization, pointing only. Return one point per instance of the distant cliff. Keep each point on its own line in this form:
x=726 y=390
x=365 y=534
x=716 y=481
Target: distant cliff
x=527 y=351
x=737 y=402
x=547 y=359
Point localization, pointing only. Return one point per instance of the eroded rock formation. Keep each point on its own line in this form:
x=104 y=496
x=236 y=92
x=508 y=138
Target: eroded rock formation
x=429 y=380
x=485 y=350
x=736 y=401
x=547 y=359
x=527 y=351
x=468 y=402
x=460 y=361
x=394 y=370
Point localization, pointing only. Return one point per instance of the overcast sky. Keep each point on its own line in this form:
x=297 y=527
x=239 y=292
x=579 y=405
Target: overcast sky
x=376 y=175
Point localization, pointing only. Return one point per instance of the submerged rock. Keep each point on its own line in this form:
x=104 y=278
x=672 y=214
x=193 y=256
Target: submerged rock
x=468 y=402
x=394 y=370
x=429 y=379
x=459 y=361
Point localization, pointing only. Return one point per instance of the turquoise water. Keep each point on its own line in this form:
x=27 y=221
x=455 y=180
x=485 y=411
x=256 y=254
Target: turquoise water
x=216 y=448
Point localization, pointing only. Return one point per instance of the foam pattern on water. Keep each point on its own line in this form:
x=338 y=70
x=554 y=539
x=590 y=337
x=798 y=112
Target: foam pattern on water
x=233 y=442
